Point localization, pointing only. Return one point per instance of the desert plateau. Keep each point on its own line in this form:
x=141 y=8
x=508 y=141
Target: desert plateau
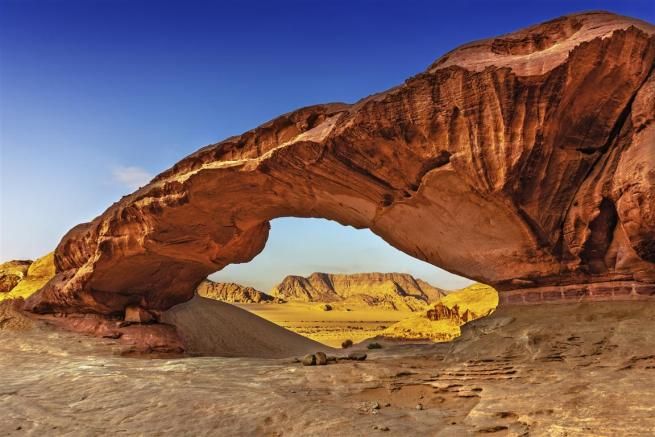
x=503 y=201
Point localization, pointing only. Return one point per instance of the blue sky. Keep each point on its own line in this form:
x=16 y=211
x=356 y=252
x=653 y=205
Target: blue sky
x=97 y=96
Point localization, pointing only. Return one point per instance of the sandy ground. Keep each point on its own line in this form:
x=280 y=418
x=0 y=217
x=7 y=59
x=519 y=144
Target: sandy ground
x=328 y=327
x=558 y=370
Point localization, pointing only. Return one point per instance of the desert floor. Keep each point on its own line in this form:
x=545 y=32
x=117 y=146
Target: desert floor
x=328 y=327
x=558 y=370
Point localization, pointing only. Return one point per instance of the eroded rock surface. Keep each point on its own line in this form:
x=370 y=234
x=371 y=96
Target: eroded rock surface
x=522 y=161
x=11 y=273
x=578 y=370
x=21 y=279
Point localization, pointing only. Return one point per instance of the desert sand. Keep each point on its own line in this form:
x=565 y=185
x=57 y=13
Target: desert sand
x=555 y=370
x=361 y=321
x=328 y=327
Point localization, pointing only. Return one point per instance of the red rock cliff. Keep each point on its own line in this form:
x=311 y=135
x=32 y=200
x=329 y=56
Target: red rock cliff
x=524 y=161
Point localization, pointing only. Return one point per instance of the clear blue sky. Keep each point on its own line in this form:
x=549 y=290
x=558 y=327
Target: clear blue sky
x=97 y=96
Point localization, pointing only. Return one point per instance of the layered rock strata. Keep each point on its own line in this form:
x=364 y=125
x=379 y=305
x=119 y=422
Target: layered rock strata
x=393 y=291
x=524 y=161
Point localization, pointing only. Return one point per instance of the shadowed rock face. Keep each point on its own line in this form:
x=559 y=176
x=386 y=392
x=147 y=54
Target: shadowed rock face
x=523 y=161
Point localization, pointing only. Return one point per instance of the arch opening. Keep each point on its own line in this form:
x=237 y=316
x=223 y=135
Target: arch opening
x=300 y=247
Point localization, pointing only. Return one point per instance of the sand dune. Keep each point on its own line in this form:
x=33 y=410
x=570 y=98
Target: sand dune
x=210 y=327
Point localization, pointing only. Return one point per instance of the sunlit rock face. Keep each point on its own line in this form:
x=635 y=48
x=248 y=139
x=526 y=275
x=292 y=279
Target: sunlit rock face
x=523 y=161
x=391 y=291
x=233 y=293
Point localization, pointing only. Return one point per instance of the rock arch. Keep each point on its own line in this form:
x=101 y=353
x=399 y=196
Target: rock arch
x=524 y=161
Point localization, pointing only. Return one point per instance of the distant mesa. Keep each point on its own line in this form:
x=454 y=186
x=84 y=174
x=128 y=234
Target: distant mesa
x=233 y=293
x=391 y=291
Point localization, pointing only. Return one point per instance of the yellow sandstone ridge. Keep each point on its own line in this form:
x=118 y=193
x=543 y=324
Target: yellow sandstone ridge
x=442 y=322
x=33 y=276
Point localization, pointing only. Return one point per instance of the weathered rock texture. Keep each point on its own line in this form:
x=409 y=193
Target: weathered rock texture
x=441 y=311
x=443 y=320
x=21 y=279
x=394 y=291
x=521 y=161
x=233 y=293
x=11 y=273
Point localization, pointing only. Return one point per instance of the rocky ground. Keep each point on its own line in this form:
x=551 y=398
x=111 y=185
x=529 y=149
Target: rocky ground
x=563 y=370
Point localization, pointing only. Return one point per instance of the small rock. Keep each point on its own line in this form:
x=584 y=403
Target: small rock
x=357 y=356
x=309 y=360
x=387 y=404
x=419 y=406
x=326 y=307
x=346 y=344
x=375 y=406
x=374 y=346
x=331 y=358
x=321 y=358
x=384 y=428
x=113 y=335
x=136 y=314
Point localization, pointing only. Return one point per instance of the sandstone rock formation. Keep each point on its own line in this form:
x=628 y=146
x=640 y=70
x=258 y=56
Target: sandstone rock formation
x=233 y=293
x=11 y=273
x=443 y=320
x=441 y=311
x=523 y=161
x=394 y=291
x=27 y=277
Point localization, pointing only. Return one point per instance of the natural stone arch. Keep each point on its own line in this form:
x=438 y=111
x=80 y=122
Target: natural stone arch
x=524 y=161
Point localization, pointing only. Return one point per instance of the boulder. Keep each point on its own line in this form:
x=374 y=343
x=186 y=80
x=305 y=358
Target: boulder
x=137 y=314
x=321 y=358
x=357 y=356
x=309 y=360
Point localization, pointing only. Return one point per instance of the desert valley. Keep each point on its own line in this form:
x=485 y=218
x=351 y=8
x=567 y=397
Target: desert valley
x=525 y=162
